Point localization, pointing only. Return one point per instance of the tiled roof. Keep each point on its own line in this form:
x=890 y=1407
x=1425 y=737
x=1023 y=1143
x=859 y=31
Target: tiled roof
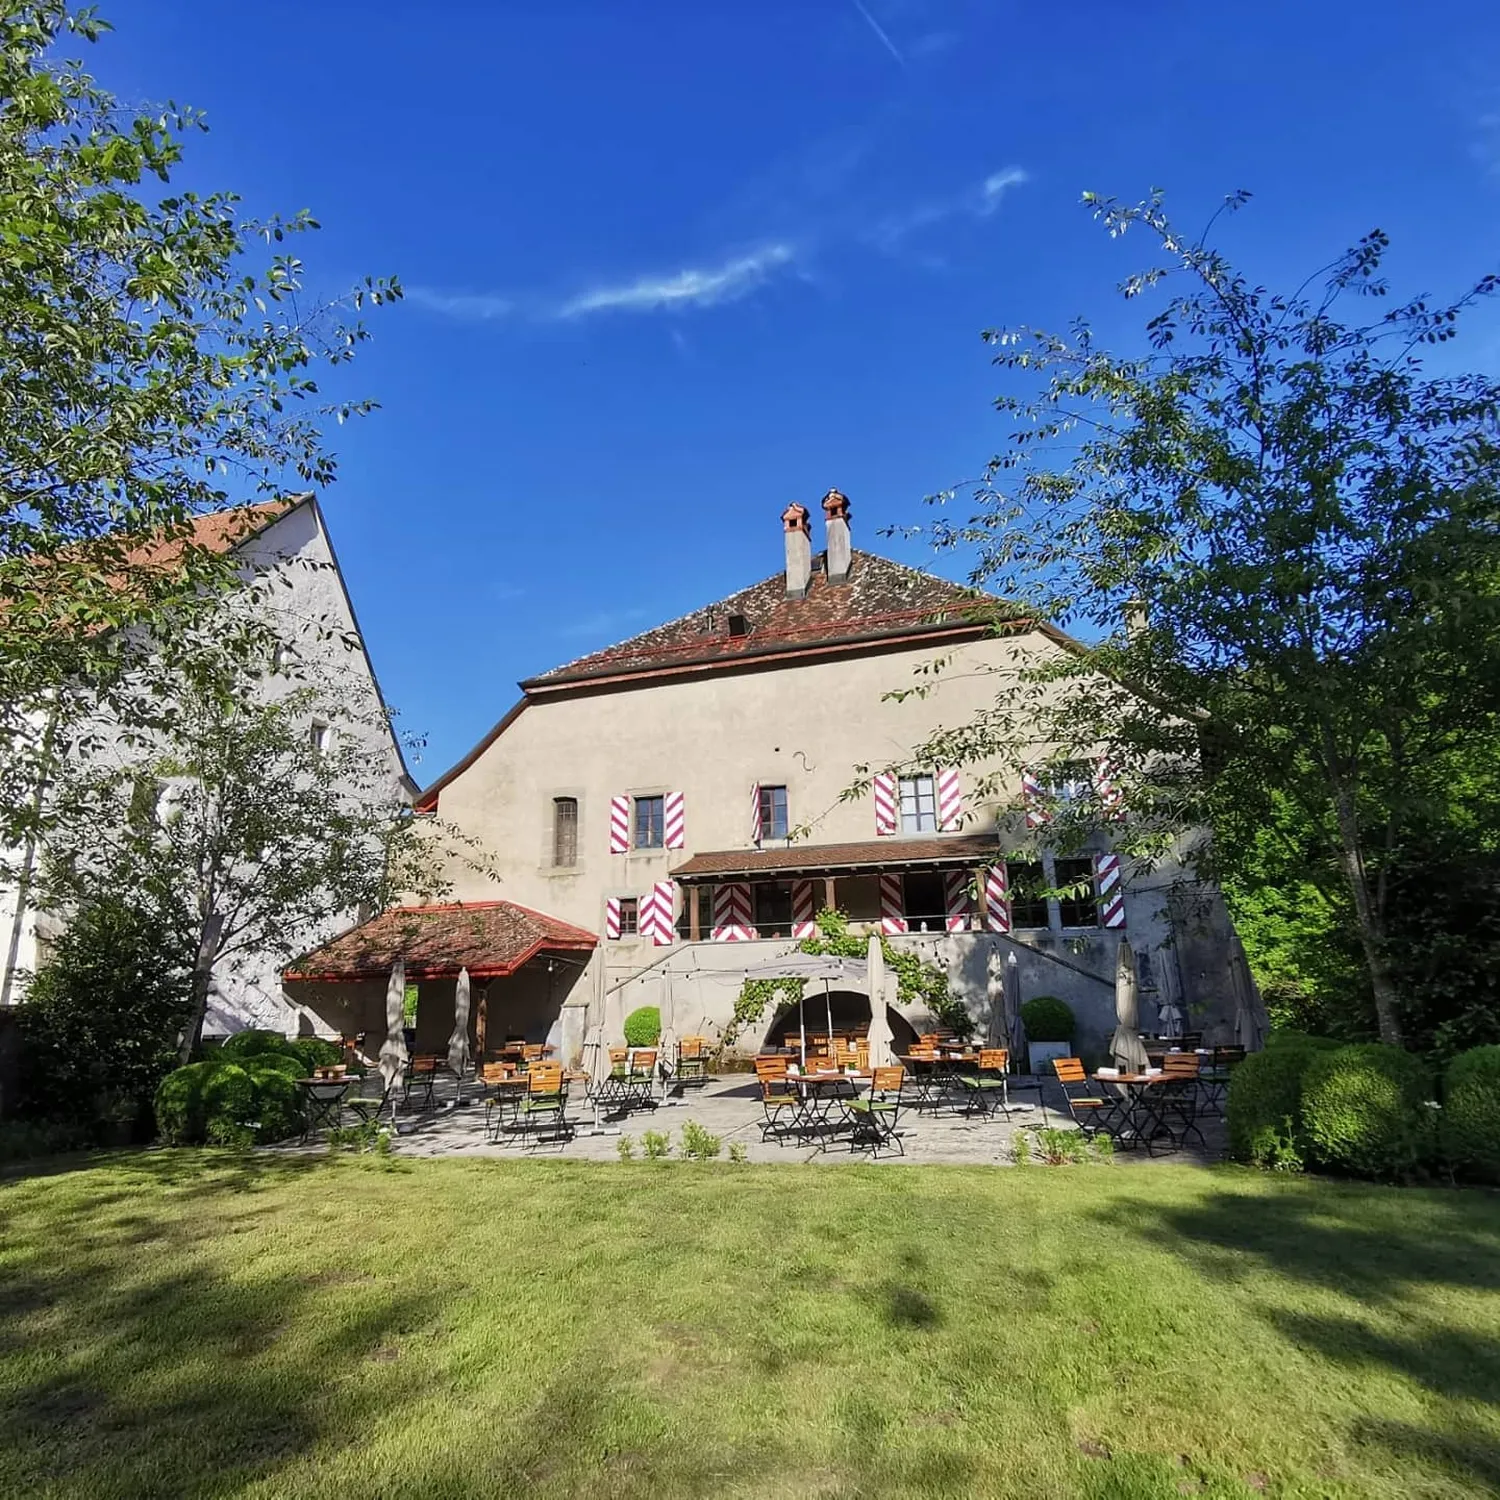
x=219 y=532
x=872 y=854
x=488 y=938
x=879 y=599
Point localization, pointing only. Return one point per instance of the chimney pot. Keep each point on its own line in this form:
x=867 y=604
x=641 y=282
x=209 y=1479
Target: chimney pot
x=796 y=521
x=836 y=523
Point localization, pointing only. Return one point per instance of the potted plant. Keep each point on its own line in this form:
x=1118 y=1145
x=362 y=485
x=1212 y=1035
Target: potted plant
x=1049 y=1029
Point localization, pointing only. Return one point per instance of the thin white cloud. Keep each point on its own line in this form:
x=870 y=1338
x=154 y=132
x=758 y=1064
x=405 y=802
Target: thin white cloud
x=690 y=288
x=469 y=307
x=604 y=623
x=996 y=185
x=879 y=31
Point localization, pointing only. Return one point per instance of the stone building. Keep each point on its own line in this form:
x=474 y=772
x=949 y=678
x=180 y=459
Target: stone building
x=681 y=798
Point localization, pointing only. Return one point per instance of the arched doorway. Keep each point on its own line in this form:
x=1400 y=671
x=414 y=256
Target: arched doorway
x=851 y=1017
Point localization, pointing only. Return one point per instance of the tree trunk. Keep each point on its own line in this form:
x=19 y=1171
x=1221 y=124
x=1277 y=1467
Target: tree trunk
x=203 y=973
x=1370 y=920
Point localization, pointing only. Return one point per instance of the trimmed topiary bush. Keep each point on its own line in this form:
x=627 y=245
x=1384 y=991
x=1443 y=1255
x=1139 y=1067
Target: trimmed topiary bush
x=643 y=1027
x=1047 y=1019
x=180 y=1102
x=1263 y=1112
x=1469 y=1126
x=288 y=1067
x=277 y=1101
x=253 y=1043
x=1366 y=1109
x=316 y=1052
x=231 y=1104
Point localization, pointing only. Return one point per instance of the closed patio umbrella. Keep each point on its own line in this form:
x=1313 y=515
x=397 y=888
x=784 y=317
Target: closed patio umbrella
x=458 y=1043
x=393 y=1048
x=1171 y=1019
x=882 y=1053
x=1128 y=1049
x=666 y=1047
x=994 y=994
x=1251 y=1023
x=1015 y=1027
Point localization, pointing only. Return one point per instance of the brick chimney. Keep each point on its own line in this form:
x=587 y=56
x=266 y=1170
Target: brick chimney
x=836 y=518
x=797 y=522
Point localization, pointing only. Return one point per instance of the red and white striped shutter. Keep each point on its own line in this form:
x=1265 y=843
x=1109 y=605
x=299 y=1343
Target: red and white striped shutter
x=612 y=918
x=755 y=829
x=663 y=899
x=885 y=804
x=950 y=809
x=956 y=900
x=892 y=905
x=1110 y=891
x=997 y=898
x=1032 y=799
x=619 y=825
x=1107 y=788
x=676 y=820
x=804 y=909
x=732 y=912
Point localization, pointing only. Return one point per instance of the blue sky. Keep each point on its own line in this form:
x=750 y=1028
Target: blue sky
x=672 y=265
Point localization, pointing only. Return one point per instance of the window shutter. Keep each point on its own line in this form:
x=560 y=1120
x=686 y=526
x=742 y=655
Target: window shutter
x=659 y=912
x=997 y=898
x=892 y=905
x=1107 y=788
x=1109 y=890
x=619 y=825
x=755 y=830
x=804 y=909
x=1033 y=799
x=612 y=918
x=950 y=808
x=956 y=900
x=732 y=912
x=885 y=804
x=676 y=829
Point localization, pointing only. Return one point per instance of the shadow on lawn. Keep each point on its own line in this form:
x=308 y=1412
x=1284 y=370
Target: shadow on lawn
x=1376 y=1247
x=177 y=1380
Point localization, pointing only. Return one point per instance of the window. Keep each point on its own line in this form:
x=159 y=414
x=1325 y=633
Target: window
x=320 y=737
x=650 y=822
x=1028 y=908
x=773 y=819
x=925 y=902
x=564 y=832
x=1075 y=878
x=918 y=805
x=773 y=908
x=630 y=916
x=1070 y=782
x=738 y=625
x=280 y=655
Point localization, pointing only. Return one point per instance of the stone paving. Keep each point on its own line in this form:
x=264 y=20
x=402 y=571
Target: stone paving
x=729 y=1107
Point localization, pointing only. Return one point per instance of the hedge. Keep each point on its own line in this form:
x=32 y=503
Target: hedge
x=316 y=1052
x=1047 y=1019
x=224 y=1102
x=1263 y=1113
x=1366 y=1109
x=643 y=1027
x=1470 y=1122
x=254 y=1043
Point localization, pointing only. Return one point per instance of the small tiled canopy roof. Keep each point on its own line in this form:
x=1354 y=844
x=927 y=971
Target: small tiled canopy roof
x=814 y=859
x=879 y=600
x=488 y=938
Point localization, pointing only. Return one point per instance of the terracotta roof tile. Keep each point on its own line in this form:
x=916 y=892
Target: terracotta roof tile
x=219 y=532
x=489 y=938
x=873 y=854
x=879 y=599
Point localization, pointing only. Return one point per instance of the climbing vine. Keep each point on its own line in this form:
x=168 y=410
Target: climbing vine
x=918 y=982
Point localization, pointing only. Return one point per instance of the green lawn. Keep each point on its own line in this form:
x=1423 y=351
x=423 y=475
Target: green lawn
x=194 y=1324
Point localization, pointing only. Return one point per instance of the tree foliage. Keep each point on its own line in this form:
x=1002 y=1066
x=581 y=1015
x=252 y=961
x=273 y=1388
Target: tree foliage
x=157 y=362
x=1281 y=537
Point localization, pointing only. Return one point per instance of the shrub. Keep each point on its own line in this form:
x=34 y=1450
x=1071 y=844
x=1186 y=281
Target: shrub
x=1470 y=1122
x=316 y=1052
x=655 y=1144
x=1365 y=1109
x=276 y=1100
x=643 y=1027
x=698 y=1143
x=253 y=1043
x=288 y=1067
x=180 y=1102
x=1047 y=1019
x=23 y=1140
x=228 y=1104
x=1264 y=1108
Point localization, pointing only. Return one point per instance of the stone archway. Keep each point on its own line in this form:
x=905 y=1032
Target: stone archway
x=851 y=1014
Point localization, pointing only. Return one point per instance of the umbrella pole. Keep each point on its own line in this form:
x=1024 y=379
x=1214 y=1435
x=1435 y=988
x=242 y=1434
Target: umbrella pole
x=828 y=1009
x=802 y=1023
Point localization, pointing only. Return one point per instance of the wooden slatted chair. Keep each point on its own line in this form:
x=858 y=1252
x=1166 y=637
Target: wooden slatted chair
x=1214 y=1079
x=692 y=1060
x=1176 y=1098
x=985 y=1089
x=546 y=1104
x=874 y=1116
x=1091 y=1114
x=778 y=1100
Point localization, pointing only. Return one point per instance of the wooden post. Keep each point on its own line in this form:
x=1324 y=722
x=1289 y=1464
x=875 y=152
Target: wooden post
x=828 y=901
x=482 y=1023
x=982 y=902
x=695 y=931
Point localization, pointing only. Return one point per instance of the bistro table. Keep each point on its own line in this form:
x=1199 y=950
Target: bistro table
x=323 y=1102
x=821 y=1098
x=1142 y=1121
x=504 y=1098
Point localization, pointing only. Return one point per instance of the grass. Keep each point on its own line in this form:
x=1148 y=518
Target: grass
x=176 y=1324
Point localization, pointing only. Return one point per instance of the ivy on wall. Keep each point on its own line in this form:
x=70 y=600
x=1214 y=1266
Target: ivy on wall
x=918 y=982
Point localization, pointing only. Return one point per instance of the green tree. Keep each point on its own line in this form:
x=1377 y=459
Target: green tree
x=157 y=363
x=1280 y=535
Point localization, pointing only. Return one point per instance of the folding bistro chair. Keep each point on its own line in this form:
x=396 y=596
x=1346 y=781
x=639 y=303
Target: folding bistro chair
x=692 y=1061
x=545 y=1106
x=1214 y=1079
x=640 y=1075
x=986 y=1088
x=1090 y=1113
x=780 y=1106
x=874 y=1116
x=1175 y=1100
x=421 y=1078
x=505 y=1089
